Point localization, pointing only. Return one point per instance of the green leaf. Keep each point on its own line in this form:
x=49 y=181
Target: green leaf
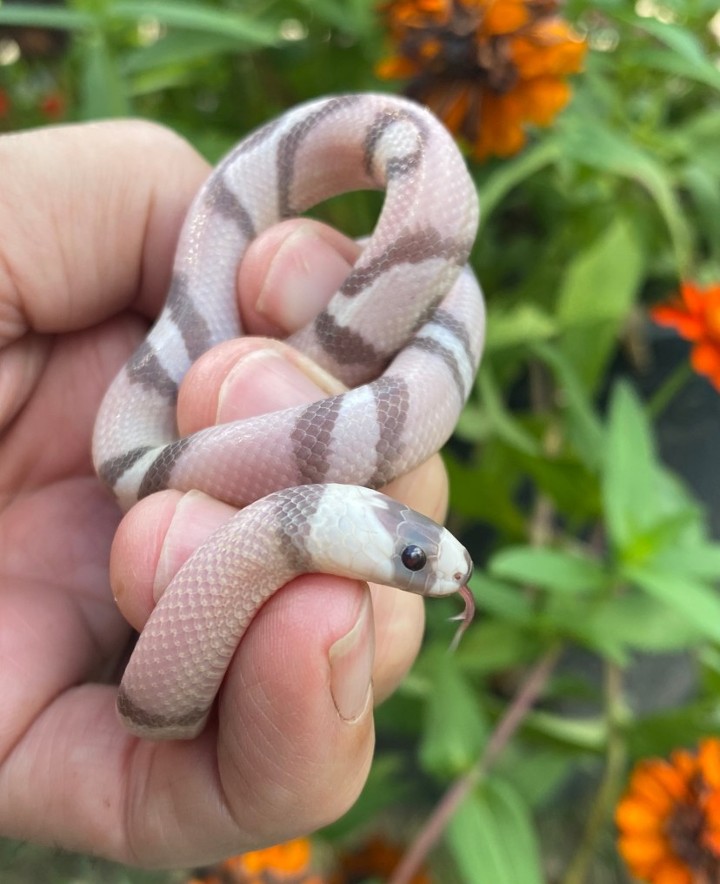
x=647 y=509
x=178 y=48
x=587 y=734
x=599 y=287
x=699 y=135
x=510 y=173
x=348 y=17
x=567 y=483
x=554 y=570
x=518 y=327
x=491 y=837
x=572 y=617
x=704 y=191
x=697 y=560
x=501 y=599
x=585 y=431
x=589 y=142
x=494 y=645
x=697 y=602
x=662 y=733
x=537 y=772
x=200 y=18
x=484 y=491
x=103 y=89
x=455 y=727
x=472 y=425
x=687 y=57
x=41 y=16
x=502 y=422
x=643 y=622
x=630 y=476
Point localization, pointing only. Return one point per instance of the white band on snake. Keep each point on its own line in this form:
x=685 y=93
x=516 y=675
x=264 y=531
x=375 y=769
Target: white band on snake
x=406 y=325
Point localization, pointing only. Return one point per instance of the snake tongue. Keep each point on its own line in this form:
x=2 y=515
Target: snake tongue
x=466 y=616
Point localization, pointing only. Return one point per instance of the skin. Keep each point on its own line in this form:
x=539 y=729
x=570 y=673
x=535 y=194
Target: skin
x=89 y=217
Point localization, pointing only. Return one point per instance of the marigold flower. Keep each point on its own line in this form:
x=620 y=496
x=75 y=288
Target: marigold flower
x=696 y=317
x=287 y=863
x=377 y=858
x=486 y=67
x=669 y=819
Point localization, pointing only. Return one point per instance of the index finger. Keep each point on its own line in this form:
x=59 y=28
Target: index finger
x=90 y=216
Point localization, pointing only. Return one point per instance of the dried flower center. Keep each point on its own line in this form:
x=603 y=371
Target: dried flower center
x=488 y=68
x=457 y=49
x=685 y=831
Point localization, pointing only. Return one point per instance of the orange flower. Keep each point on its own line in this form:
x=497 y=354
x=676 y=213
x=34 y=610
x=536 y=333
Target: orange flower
x=377 y=859
x=289 y=863
x=286 y=863
x=486 y=67
x=53 y=105
x=697 y=318
x=669 y=819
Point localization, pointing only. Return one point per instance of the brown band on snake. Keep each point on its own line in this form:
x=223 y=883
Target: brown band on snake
x=222 y=200
x=429 y=345
x=312 y=438
x=144 y=368
x=290 y=536
x=255 y=139
x=345 y=346
x=445 y=319
x=158 y=473
x=410 y=247
x=152 y=720
x=111 y=469
x=392 y=404
x=399 y=165
x=190 y=322
x=290 y=144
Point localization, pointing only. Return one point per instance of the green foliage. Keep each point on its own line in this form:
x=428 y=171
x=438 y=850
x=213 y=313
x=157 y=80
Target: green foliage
x=492 y=831
x=584 y=540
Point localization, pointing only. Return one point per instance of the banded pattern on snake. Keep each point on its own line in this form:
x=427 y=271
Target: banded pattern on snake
x=405 y=331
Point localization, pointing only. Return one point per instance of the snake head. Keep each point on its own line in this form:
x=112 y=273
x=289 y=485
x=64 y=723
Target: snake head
x=419 y=555
x=379 y=539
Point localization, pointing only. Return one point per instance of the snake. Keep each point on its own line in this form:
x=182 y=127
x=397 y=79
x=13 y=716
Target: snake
x=404 y=335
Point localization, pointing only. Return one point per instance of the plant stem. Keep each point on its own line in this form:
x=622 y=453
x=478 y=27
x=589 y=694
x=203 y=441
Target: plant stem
x=432 y=831
x=670 y=387
x=609 y=788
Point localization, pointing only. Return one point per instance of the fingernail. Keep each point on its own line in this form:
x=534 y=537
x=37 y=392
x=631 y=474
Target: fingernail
x=265 y=376
x=351 y=661
x=196 y=516
x=305 y=270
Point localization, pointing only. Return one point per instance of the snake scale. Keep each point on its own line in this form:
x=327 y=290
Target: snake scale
x=404 y=332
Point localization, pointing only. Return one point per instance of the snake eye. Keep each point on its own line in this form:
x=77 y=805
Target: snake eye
x=413 y=557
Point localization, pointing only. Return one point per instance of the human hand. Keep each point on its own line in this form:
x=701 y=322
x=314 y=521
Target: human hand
x=89 y=218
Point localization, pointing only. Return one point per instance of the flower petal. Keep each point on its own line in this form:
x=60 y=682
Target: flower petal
x=643 y=853
x=705 y=359
x=504 y=16
x=709 y=761
x=685 y=324
x=660 y=783
x=634 y=815
x=672 y=871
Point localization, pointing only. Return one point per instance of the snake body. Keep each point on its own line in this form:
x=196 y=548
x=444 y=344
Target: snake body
x=405 y=331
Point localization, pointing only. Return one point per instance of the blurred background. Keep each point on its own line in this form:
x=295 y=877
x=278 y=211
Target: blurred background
x=584 y=473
